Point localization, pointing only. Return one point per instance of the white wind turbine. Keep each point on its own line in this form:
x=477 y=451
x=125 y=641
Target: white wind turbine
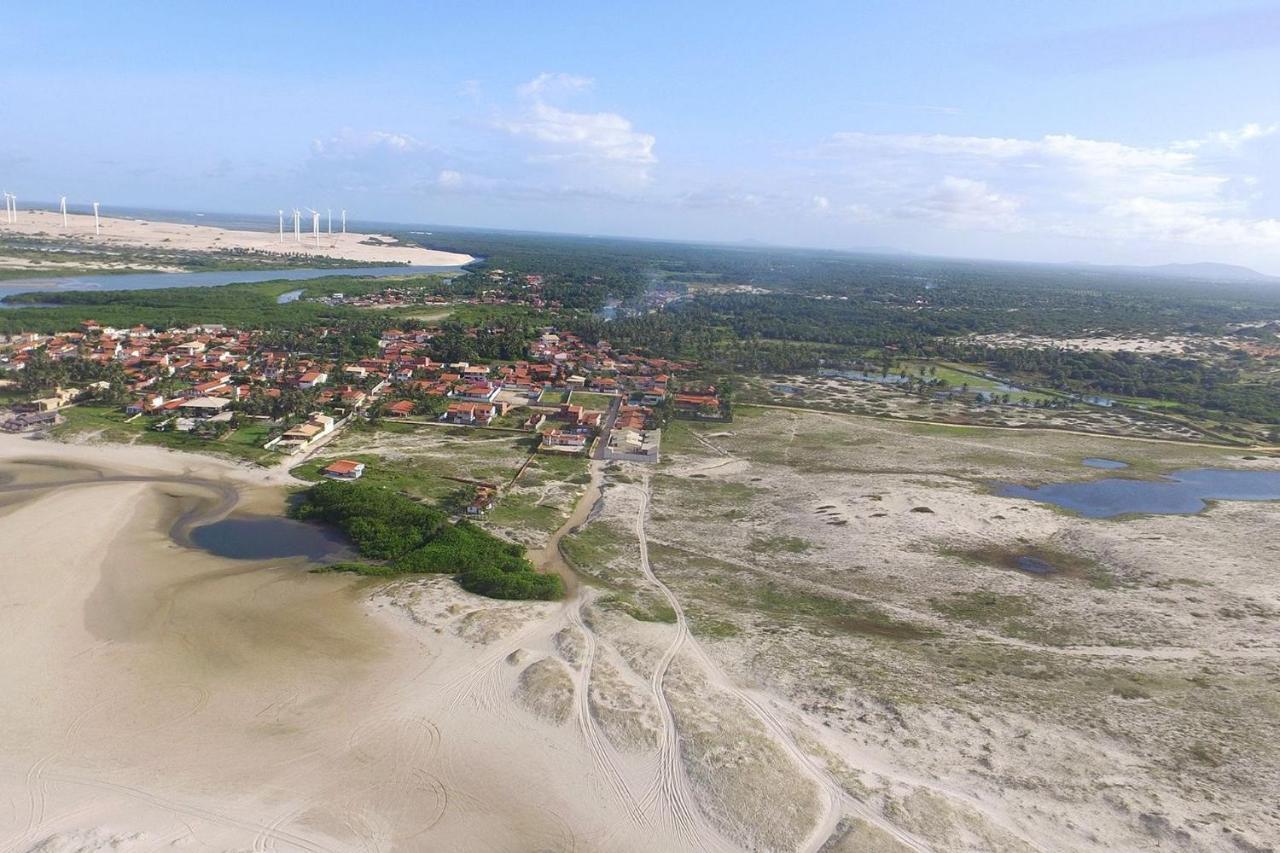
x=280 y=212
x=63 y=204
x=315 y=224
x=297 y=225
x=10 y=208
x=8 y=212
x=344 y=221
x=97 y=226
x=329 y=213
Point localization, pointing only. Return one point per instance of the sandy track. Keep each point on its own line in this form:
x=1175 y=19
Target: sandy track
x=836 y=798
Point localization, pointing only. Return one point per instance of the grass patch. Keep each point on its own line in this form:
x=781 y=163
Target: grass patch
x=847 y=616
x=780 y=545
x=552 y=397
x=591 y=401
x=1013 y=616
x=523 y=511
x=594 y=546
x=652 y=612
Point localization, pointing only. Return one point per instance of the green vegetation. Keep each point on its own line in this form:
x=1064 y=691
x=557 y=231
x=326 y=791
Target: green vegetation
x=552 y=397
x=109 y=423
x=1065 y=564
x=411 y=538
x=1016 y=616
x=594 y=546
x=651 y=611
x=591 y=402
x=780 y=544
x=851 y=616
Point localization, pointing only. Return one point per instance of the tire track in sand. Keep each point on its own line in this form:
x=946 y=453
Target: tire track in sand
x=670 y=791
x=673 y=783
x=598 y=746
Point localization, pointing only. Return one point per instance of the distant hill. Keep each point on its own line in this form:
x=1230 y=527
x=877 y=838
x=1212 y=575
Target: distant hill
x=1210 y=272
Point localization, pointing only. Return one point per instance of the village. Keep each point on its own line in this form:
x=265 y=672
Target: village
x=221 y=387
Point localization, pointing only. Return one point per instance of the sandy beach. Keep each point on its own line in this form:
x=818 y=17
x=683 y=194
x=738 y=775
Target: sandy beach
x=160 y=696
x=121 y=233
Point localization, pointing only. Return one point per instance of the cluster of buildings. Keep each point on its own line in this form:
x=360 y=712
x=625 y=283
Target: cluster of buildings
x=192 y=378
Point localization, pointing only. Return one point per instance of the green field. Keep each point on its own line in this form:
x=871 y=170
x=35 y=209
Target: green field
x=551 y=397
x=592 y=402
x=959 y=375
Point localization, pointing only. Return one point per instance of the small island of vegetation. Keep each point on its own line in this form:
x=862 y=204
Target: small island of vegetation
x=405 y=537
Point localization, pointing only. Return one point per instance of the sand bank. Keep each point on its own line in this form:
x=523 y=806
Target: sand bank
x=120 y=233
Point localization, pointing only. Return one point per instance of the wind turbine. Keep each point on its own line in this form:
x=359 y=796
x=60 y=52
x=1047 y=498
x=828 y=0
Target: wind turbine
x=8 y=211
x=344 y=221
x=63 y=205
x=315 y=224
x=297 y=225
x=97 y=229
x=281 y=213
x=329 y=213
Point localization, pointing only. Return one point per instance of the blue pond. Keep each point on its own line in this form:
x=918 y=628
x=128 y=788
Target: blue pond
x=269 y=538
x=1181 y=492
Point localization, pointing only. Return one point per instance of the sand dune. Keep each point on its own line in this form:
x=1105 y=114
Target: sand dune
x=118 y=233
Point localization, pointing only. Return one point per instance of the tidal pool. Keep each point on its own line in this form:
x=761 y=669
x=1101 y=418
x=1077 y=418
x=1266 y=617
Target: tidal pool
x=1182 y=492
x=269 y=538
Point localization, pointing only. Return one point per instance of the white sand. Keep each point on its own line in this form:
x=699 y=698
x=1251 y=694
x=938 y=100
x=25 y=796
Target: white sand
x=119 y=233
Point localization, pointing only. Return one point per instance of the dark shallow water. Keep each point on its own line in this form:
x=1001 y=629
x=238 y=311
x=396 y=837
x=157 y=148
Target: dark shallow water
x=1034 y=565
x=1181 y=492
x=269 y=538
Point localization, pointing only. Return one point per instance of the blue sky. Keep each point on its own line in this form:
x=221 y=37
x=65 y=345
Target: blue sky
x=1136 y=132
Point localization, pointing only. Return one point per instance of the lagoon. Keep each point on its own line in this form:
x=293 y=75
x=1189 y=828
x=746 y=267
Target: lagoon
x=1179 y=493
x=157 y=280
x=270 y=538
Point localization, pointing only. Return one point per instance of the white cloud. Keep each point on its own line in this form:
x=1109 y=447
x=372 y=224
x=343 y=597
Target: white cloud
x=1169 y=221
x=547 y=83
x=359 y=143
x=963 y=203
x=1230 y=139
x=601 y=151
x=450 y=178
x=1190 y=191
x=605 y=136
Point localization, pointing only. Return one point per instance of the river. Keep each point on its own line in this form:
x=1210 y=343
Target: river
x=156 y=280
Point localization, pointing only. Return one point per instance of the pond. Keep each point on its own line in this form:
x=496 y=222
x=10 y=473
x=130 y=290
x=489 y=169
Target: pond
x=1104 y=464
x=1182 y=492
x=863 y=376
x=270 y=538
x=1034 y=565
x=155 y=280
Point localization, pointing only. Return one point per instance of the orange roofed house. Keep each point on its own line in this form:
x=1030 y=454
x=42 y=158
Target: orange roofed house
x=344 y=469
